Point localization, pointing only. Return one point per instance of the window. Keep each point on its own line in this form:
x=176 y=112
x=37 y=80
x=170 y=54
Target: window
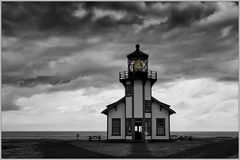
x=138 y=64
x=128 y=126
x=129 y=90
x=148 y=126
x=160 y=126
x=147 y=106
x=116 y=126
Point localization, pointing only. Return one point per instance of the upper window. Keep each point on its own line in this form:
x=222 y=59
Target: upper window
x=160 y=122
x=116 y=126
x=147 y=106
x=129 y=90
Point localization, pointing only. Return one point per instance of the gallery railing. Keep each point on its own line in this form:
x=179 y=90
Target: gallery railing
x=150 y=74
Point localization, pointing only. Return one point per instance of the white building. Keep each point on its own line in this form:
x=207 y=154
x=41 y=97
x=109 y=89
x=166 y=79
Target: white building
x=138 y=116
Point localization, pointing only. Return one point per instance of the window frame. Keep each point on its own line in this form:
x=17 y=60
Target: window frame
x=127 y=125
x=149 y=102
x=158 y=124
x=116 y=134
x=129 y=90
x=148 y=128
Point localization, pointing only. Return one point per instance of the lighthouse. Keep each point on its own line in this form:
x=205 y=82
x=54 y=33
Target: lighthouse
x=138 y=116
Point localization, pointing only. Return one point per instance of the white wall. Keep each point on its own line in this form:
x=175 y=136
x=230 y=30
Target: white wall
x=148 y=90
x=148 y=97
x=119 y=113
x=129 y=107
x=156 y=113
x=129 y=137
x=138 y=99
x=147 y=115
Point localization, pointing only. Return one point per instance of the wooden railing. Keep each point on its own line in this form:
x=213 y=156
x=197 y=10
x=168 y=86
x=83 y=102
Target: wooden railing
x=123 y=75
x=150 y=74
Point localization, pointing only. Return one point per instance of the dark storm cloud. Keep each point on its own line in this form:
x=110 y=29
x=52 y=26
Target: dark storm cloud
x=37 y=16
x=55 y=18
x=82 y=68
x=18 y=64
x=72 y=45
x=8 y=103
x=177 y=13
x=186 y=16
x=58 y=18
x=30 y=82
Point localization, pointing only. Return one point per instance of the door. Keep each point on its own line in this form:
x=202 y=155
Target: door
x=138 y=129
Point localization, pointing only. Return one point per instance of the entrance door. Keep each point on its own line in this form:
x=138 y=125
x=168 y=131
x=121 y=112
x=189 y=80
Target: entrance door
x=138 y=129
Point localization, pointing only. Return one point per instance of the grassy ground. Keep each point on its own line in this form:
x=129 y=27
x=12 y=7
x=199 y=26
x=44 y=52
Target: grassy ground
x=221 y=149
x=205 y=148
x=202 y=148
x=21 y=149
x=63 y=149
x=111 y=149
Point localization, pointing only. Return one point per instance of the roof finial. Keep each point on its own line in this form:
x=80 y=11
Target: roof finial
x=137 y=47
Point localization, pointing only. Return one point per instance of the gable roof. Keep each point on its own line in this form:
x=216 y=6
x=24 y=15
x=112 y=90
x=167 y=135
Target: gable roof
x=166 y=106
x=110 y=106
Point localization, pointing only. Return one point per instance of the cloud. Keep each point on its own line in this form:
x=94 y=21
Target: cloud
x=71 y=109
x=204 y=101
x=54 y=47
x=99 y=13
x=8 y=103
x=10 y=95
x=185 y=16
x=37 y=16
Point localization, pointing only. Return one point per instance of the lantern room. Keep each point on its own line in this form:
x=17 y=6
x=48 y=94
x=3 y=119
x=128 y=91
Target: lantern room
x=137 y=61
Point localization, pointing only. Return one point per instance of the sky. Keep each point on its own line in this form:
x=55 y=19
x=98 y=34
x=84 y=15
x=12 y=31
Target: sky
x=61 y=60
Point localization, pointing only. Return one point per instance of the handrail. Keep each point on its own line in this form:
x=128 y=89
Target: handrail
x=150 y=74
x=123 y=75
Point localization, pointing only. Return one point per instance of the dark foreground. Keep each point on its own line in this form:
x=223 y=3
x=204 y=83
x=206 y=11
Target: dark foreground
x=201 y=148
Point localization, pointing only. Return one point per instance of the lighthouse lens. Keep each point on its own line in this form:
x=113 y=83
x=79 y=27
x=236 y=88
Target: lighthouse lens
x=138 y=65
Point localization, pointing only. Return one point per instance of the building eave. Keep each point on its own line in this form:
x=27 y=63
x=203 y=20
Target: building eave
x=110 y=106
x=166 y=106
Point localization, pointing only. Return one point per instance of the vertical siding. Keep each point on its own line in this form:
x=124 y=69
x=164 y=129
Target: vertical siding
x=147 y=115
x=129 y=137
x=138 y=99
x=156 y=113
x=119 y=113
x=129 y=107
x=148 y=90
x=147 y=97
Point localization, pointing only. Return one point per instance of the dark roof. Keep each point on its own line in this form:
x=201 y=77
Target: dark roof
x=110 y=106
x=164 y=105
x=137 y=53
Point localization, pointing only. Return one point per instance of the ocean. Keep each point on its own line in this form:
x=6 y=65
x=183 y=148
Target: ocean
x=70 y=135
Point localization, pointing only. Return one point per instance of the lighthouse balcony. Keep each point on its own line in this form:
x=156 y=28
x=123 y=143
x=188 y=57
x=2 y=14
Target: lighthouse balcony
x=125 y=75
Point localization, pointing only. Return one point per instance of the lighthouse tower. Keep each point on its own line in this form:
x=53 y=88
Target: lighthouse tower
x=138 y=82
x=138 y=116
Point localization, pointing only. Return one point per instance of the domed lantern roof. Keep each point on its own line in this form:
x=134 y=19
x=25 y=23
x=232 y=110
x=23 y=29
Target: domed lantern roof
x=137 y=53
